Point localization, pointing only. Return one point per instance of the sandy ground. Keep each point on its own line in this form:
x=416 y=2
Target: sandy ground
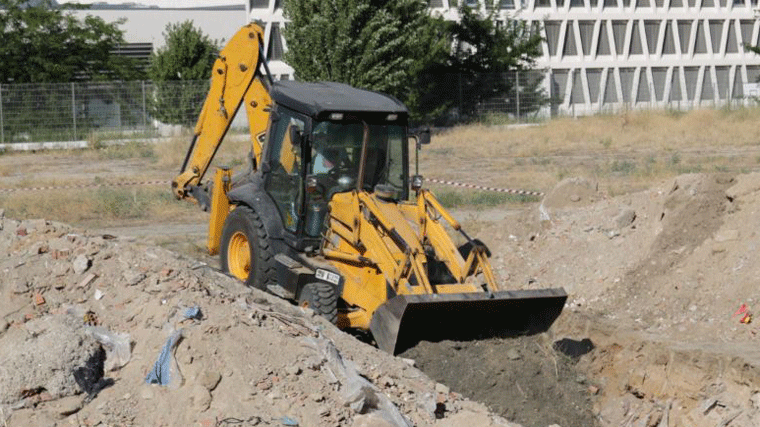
x=651 y=330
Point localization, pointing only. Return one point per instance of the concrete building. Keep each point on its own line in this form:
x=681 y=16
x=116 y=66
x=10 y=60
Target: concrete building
x=603 y=55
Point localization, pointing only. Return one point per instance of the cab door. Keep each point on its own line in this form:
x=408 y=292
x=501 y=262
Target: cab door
x=285 y=181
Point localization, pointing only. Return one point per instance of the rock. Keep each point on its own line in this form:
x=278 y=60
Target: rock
x=210 y=379
x=513 y=354
x=625 y=218
x=316 y=397
x=81 y=264
x=59 y=357
x=427 y=403
x=201 y=398
x=4 y=325
x=20 y=287
x=86 y=282
x=292 y=370
x=371 y=420
x=409 y=362
x=755 y=399
x=386 y=381
x=67 y=406
x=38 y=299
x=726 y=236
x=133 y=278
x=441 y=388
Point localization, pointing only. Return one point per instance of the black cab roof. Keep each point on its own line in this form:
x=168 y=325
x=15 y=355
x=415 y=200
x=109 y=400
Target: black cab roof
x=316 y=99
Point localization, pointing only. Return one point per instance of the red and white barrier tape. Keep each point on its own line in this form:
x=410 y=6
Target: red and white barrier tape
x=130 y=183
x=76 y=186
x=481 y=187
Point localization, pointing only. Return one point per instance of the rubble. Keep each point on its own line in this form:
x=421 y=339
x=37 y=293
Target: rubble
x=88 y=297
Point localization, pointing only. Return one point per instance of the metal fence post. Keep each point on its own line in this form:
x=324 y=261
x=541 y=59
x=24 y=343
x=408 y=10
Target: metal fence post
x=144 y=108
x=2 y=124
x=517 y=93
x=74 y=110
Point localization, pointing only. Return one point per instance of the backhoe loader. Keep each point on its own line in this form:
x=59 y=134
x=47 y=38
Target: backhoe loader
x=327 y=214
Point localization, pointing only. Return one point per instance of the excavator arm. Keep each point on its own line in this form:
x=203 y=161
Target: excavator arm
x=236 y=78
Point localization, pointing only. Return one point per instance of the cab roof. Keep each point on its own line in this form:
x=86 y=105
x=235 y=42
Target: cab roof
x=316 y=99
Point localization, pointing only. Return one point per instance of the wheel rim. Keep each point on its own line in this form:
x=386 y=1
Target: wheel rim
x=239 y=256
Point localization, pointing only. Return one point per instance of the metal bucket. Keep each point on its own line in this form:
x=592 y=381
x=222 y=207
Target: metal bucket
x=404 y=320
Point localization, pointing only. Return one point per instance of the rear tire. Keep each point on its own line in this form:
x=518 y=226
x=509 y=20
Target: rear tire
x=245 y=250
x=321 y=298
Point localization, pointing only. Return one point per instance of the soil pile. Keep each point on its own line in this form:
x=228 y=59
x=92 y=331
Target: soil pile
x=664 y=283
x=244 y=357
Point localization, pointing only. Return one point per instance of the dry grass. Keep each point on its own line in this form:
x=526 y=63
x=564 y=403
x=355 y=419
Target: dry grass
x=232 y=152
x=623 y=152
x=97 y=206
x=628 y=131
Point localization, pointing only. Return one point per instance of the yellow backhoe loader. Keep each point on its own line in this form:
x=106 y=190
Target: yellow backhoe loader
x=328 y=216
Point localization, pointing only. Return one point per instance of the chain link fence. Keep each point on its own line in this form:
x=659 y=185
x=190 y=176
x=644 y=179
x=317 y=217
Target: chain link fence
x=82 y=111
x=114 y=110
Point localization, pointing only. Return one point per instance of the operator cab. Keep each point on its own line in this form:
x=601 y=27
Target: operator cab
x=329 y=138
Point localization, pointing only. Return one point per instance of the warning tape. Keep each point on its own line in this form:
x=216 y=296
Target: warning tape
x=130 y=183
x=69 y=187
x=482 y=187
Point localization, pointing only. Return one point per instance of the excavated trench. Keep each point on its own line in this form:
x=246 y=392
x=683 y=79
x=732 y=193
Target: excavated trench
x=526 y=379
x=610 y=378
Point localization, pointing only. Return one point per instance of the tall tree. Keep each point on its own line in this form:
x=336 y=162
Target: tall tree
x=45 y=43
x=487 y=56
x=180 y=71
x=372 y=44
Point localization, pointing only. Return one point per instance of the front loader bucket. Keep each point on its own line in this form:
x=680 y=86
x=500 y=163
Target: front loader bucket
x=404 y=320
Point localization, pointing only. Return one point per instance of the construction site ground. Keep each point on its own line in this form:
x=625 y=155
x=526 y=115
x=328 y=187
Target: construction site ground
x=660 y=268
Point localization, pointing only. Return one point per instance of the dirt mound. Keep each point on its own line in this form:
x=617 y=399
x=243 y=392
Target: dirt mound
x=572 y=192
x=661 y=272
x=53 y=354
x=247 y=357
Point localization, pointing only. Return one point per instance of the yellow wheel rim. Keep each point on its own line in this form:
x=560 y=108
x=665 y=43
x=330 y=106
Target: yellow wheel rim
x=239 y=256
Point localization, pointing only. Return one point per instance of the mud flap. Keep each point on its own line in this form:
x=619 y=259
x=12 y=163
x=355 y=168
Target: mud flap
x=404 y=320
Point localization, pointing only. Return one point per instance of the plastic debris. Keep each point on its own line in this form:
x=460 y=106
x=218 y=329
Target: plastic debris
x=166 y=371
x=742 y=309
x=287 y=421
x=117 y=346
x=746 y=316
x=193 y=312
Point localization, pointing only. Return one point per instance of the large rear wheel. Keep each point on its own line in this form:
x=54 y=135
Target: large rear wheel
x=245 y=250
x=321 y=298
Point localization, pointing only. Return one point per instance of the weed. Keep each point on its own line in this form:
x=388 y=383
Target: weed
x=128 y=150
x=624 y=167
x=606 y=142
x=689 y=169
x=491 y=119
x=721 y=168
x=457 y=199
x=675 y=159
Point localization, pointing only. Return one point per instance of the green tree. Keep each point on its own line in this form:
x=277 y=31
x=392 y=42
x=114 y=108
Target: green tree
x=484 y=59
x=371 y=44
x=44 y=43
x=180 y=71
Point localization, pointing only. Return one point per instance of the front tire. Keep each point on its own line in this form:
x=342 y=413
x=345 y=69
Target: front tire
x=321 y=298
x=245 y=249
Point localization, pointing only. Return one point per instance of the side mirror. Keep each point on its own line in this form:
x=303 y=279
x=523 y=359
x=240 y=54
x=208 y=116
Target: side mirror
x=423 y=137
x=296 y=137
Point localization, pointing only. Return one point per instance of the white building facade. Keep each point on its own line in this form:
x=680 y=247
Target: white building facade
x=606 y=55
